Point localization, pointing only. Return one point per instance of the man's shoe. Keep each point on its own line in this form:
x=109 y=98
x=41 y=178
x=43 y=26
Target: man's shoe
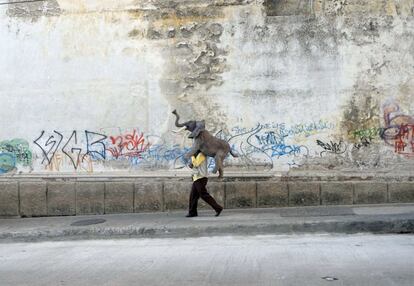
x=191 y=215
x=219 y=212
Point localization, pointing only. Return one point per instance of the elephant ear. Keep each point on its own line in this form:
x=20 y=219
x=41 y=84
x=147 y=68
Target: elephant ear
x=200 y=126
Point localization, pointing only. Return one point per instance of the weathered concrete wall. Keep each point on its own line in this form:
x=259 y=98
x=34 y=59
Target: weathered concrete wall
x=87 y=87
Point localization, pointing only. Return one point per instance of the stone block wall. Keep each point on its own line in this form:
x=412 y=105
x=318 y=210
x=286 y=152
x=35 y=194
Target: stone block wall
x=31 y=198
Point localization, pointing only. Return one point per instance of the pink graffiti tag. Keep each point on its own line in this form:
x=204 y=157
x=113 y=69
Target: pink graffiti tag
x=128 y=145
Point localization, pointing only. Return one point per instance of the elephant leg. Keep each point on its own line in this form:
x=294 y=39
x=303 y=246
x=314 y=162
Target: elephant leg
x=215 y=164
x=219 y=164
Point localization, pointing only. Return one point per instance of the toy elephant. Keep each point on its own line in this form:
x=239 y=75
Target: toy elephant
x=206 y=143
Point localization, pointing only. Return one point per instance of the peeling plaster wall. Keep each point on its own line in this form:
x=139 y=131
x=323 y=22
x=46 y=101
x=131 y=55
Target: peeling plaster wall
x=88 y=86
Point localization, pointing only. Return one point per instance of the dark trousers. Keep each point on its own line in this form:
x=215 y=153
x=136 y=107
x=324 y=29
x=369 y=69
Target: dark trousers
x=199 y=191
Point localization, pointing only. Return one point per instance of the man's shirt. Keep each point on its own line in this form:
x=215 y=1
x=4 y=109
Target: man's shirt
x=199 y=166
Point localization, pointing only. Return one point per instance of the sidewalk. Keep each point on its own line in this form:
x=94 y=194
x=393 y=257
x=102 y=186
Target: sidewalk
x=388 y=218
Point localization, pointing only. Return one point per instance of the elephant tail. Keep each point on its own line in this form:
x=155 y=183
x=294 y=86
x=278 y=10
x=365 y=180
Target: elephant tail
x=234 y=154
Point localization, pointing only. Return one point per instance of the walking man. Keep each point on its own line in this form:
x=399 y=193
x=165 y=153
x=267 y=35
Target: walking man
x=200 y=173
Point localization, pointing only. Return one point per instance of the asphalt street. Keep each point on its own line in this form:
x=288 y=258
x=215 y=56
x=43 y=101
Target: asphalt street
x=313 y=259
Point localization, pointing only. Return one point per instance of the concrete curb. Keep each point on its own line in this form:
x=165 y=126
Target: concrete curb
x=398 y=226
x=182 y=228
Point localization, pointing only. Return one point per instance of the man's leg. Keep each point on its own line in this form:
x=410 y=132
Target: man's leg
x=194 y=196
x=201 y=188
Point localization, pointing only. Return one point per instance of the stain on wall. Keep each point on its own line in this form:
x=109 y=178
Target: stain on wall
x=361 y=113
x=288 y=7
x=35 y=10
x=195 y=58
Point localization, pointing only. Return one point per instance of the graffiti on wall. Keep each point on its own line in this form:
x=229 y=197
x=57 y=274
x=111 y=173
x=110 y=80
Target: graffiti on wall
x=71 y=147
x=365 y=137
x=128 y=145
x=301 y=129
x=146 y=150
x=81 y=150
x=399 y=129
x=14 y=152
x=274 y=143
x=332 y=147
x=60 y=160
x=263 y=144
x=266 y=145
x=363 y=143
x=369 y=134
x=162 y=154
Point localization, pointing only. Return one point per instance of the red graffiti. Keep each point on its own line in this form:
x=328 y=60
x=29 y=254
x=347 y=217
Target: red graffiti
x=399 y=129
x=404 y=140
x=128 y=145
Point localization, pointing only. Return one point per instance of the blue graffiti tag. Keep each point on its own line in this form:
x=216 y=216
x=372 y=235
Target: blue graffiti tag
x=7 y=162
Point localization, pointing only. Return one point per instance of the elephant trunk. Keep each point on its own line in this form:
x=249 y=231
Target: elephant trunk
x=177 y=119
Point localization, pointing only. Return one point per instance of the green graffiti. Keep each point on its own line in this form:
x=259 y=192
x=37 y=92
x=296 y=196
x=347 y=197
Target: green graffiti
x=19 y=149
x=371 y=133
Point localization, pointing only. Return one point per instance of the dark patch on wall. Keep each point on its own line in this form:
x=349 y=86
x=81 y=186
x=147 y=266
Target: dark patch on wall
x=134 y=33
x=34 y=10
x=317 y=37
x=196 y=59
x=318 y=34
x=197 y=64
x=361 y=113
x=364 y=31
x=189 y=38
x=287 y=7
